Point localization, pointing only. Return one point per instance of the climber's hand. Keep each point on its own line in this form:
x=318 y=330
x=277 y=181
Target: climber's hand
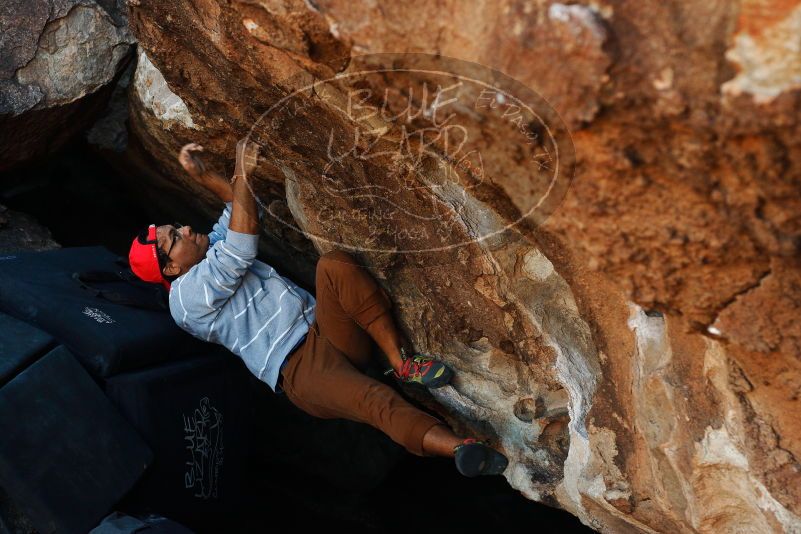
x=208 y=178
x=247 y=156
x=190 y=160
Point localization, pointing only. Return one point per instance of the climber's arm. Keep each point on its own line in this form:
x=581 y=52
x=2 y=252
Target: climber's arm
x=244 y=213
x=217 y=185
x=208 y=178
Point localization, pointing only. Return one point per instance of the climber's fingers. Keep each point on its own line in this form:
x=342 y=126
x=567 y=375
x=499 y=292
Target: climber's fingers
x=191 y=162
x=193 y=147
x=247 y=154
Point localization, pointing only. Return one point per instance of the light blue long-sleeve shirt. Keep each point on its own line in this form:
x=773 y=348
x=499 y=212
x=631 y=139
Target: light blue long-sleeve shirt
x=233 y=299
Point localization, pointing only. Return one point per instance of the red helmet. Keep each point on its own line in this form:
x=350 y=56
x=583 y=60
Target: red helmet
x=144 y=259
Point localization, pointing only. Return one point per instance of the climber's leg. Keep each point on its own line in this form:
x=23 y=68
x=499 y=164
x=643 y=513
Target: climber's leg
x=440 y=441
x=351 y=305
x=321 y=380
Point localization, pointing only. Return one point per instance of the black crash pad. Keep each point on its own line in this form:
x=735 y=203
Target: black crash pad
x=107 y=338
x=195 y=414
x=119 y=523
x=66 y=454
x=20 y=345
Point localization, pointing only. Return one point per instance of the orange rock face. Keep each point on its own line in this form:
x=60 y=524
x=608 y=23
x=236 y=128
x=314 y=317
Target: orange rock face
x=631 y=343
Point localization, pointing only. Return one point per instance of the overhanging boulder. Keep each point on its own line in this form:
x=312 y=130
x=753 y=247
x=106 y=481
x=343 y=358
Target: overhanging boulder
x=631 y=347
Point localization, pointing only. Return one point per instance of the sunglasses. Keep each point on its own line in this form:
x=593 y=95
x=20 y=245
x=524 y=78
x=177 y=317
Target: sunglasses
x=148 y=237
x=175 y=237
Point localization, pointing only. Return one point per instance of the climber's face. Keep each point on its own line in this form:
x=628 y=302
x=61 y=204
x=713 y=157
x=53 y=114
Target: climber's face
x=181 y=247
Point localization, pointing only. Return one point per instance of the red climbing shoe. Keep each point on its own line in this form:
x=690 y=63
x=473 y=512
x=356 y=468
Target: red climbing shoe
x=422 y=369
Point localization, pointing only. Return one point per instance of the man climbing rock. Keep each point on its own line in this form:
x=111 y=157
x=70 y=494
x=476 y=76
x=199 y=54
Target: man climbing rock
x=313 y=349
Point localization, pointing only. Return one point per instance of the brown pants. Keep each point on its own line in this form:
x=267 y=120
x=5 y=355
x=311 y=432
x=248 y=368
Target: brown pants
x=324 y=376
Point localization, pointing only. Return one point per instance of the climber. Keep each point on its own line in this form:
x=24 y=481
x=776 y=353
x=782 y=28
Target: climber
x=312 y=349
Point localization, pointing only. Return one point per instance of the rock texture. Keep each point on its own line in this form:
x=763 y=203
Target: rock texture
x=20 y=231
x=632 y=344
x=55 y=57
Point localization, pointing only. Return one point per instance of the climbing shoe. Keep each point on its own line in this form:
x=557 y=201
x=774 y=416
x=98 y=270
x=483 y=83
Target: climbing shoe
x=423 y=370
x=474 y=458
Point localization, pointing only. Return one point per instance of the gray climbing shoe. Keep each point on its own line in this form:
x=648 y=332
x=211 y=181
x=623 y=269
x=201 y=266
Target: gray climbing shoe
x=474 y=458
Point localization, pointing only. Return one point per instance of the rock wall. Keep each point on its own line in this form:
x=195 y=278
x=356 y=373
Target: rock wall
x=20 y=231
x=56 y=56
x=632 y=347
